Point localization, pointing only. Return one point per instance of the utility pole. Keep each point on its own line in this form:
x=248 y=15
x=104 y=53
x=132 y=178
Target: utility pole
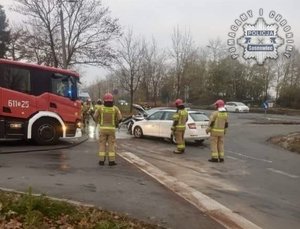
x=63 y=40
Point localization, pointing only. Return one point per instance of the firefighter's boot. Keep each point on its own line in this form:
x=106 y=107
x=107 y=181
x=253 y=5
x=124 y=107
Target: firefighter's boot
x=178 y=151
x=101 y=162
x=112 y=163
x=213 y=160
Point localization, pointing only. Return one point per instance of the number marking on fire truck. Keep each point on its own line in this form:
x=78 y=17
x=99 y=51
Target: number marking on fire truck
x=17 y=103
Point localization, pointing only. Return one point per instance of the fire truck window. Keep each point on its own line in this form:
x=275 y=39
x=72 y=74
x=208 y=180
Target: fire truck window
x=60 y=85
x=16 y=79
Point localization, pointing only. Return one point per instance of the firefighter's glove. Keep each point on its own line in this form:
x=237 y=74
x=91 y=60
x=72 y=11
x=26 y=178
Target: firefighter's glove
x=207 y=130
x=173 y=128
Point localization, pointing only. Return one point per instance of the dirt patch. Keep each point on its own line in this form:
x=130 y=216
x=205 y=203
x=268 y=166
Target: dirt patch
x=290 y=142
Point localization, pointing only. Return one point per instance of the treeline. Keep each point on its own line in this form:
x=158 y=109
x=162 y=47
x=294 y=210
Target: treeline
x=145 y=73
x=141 y=70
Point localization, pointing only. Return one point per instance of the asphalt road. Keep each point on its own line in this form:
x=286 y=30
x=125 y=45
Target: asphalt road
x=74 y=174
x=258 y=180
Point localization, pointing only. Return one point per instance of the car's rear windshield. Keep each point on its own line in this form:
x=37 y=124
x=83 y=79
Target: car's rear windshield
x=197 y=117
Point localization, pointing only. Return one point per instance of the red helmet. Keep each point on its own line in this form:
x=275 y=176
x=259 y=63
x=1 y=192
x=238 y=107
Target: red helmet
x=219 y=103
x=108 y=97
x=178 y=102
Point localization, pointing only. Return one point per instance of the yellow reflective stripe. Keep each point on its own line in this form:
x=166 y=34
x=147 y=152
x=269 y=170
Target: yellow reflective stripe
x=217 y=130
x=107 y=128
x=214 y=155
x=221 y=154
x=101 y=154
x=180 y=146
x=111 y=154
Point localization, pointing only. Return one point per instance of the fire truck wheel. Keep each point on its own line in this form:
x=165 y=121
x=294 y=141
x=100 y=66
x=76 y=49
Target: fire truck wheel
x=45 y=132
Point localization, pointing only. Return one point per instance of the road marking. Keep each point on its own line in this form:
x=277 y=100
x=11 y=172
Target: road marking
x=282 y=173
x=235 y=158
x=253 y=158
x=214 y=209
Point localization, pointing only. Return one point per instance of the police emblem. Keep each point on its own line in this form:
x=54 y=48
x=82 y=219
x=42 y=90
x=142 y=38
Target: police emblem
x=260 y=41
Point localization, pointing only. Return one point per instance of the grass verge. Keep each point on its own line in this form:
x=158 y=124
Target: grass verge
x=290 y=142
x=40 y=212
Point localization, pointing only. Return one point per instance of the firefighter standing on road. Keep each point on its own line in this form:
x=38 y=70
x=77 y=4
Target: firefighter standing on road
x=97 y=129
x=178 y=127
x=218 y=123
x=108 y=117
x=86 y=109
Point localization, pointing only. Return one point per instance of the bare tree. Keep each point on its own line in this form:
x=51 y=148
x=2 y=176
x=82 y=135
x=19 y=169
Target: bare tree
x=154 y=70
x=129 y=63
x=217 y=48
x=4 y=33
x=182 y=48
x=87 y=24
x=24 y=45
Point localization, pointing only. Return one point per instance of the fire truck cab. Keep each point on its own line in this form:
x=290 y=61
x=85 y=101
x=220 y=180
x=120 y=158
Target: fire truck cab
x=38 y=102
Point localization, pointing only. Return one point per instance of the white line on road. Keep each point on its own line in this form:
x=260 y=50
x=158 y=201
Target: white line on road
x=234 y=158
x=253 y=158
x=282 y=173
x=214 y=209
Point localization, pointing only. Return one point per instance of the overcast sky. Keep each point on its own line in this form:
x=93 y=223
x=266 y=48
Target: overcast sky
x=205 y=19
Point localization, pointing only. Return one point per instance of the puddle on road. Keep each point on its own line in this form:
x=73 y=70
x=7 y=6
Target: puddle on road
x=52 y=160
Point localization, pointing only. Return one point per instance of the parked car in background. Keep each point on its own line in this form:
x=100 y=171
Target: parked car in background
x=236 y=107
x=122 y=102
x=159 y=122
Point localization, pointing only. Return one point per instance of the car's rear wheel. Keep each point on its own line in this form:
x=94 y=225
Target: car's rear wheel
x=237 y=110
x=138 y=132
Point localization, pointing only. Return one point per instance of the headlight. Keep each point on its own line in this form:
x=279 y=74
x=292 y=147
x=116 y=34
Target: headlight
x=79 y=124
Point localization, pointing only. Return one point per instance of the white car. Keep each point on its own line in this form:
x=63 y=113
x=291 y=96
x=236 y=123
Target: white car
x=123 y=102
x=159 y=123
x=236 y=107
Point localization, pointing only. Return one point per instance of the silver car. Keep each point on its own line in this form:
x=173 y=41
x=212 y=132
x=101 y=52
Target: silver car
x=159 y=122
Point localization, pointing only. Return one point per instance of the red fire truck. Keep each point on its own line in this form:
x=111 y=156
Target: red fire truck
x=38 y=102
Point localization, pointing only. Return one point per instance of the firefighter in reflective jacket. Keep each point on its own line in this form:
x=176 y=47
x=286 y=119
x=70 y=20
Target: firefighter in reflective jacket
x=218 y=124
x=108 y=117
x=86 y=111
x=178 y=127
x=97 y=129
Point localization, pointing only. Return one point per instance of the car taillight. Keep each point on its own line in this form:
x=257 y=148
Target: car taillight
x=192 y=126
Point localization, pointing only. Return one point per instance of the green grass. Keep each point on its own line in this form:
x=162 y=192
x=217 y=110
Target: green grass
x=38 y=212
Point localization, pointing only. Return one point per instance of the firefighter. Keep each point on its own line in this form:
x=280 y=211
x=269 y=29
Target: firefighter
x=178 y=128
x=97 y=129
x=108 y=117
x=86 y=109
x=218 y=124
